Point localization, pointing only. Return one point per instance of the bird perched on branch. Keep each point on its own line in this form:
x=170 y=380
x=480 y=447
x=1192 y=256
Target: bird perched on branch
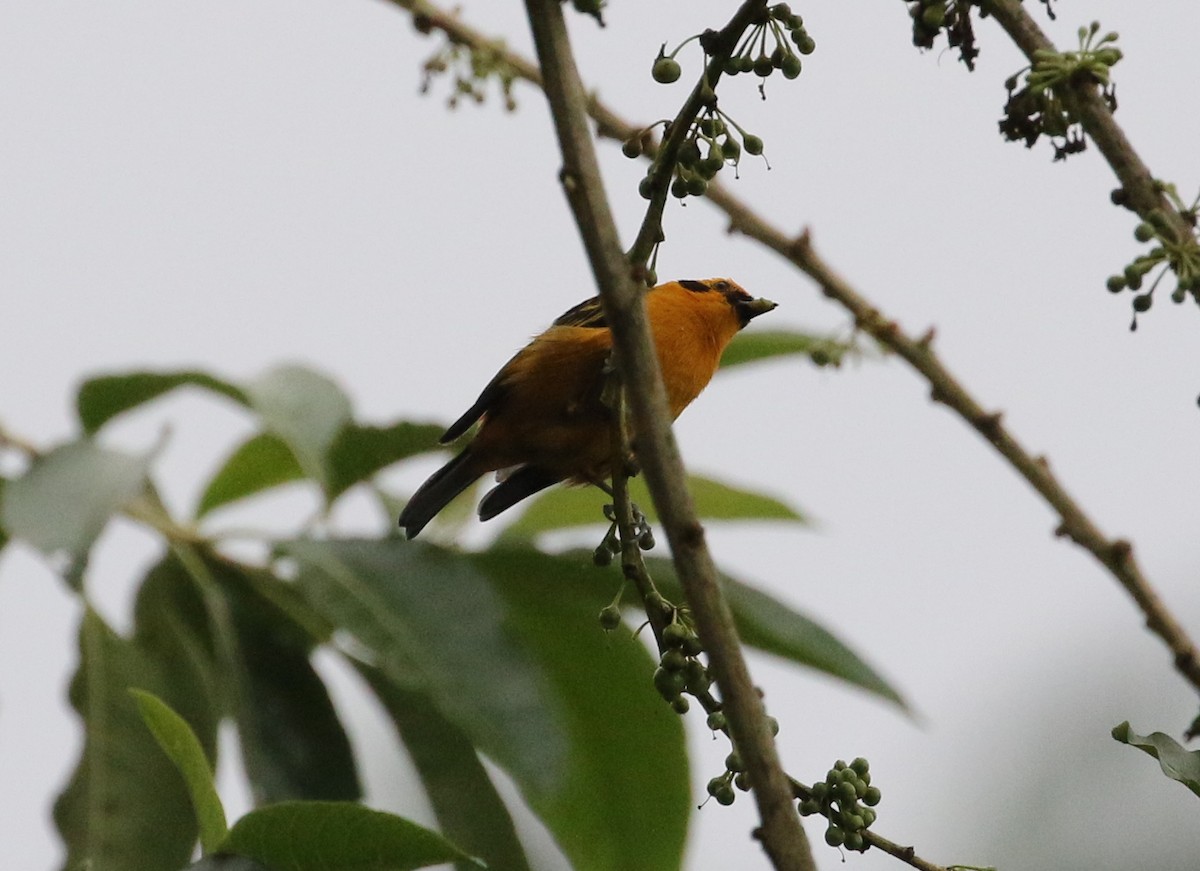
x=543 y=416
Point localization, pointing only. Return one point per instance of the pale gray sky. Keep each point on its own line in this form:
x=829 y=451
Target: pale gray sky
x=231 y=185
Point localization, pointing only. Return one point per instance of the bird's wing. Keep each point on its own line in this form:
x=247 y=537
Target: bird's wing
x=587 y=314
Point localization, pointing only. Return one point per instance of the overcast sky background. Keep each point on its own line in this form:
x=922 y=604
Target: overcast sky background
x=231 y=185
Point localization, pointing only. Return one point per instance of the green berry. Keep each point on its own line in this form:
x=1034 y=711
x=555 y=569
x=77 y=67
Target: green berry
x=674 y=660
x=646 y=188
x=698 y=680
x=731 y=148
x=868 y=817
x=732 y=66
x=820 y=791
x=853 y=822
x=773 y=725
x=742 y=782
x=666 y=70
x=1144 y=232
x=610 y=618
x=733 y=762
x=632 y=147
x=692 y=646
x=716 y=721
x=846 y=791
x=602 y=556
x=1115 y=283
x=763 y=67
x=934 y=16
x=791 y=66
x=689 y=153
x=855 y=841
x=860 y=766
x=872 y=796
x=752 y=144
x=679 y=188
x=681 y=705
x=808 y=807
x=675 y=634
x=1133 y=277
x=668 y=683
x=835 y=836
x=1142 y=303
x=726 y=795
x=646 y=539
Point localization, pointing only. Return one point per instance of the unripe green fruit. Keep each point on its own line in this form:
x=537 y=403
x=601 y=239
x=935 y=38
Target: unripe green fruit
x=860 y=766
x=1133 y=278
x=668 y=683
x=763 y=67
x=674 y=660
x=602 y=556
x=868 y=817
x=752 y=144
x=716 y=721
x=808 y=807
x=731 y=67
x=791 y=67
x=646 y=188
x=872 y=796
x=733 y=762
x=855 y=841
x=805 y=44
x=1109 y=56
x=1115 y=283
x=726 y=795
x=675 y=634
x=934 y=16
x=1144 y=232
x=1142 y=303
x=646 y=539
x=679 y=188
x=666 y=70
x=632 y=147
x=681 y=705
x=697 y=677
x=835 y=836
x=820 y=791
x=610 y=618
x=846 y=791
x=853 y=822
x=692 y=645
x=689 y=153
x=731 y=149
x=742 y=782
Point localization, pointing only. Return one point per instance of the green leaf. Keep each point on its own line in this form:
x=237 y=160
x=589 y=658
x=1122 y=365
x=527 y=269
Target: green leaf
x=293 y=743
x=126 y=805
x=768 y=624
x=336 y=836
x=100 y=399
x=436 y=625
x=469 y=810
x=181 y=745
x=361 y=451
x=62 y=503
x=306 y=410
x=566 y=507
x=506 y=646
x=261 y=462
x=1176 y=762
x=753 y=345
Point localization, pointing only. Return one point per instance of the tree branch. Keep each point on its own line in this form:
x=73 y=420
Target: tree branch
x=781 y=833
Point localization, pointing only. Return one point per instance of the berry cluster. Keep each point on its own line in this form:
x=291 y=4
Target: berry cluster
x=1040 y=107
x=1180 y=255
x=679 y=669
x=931 y=17
x=768 y=46
x=611 y=545
x=847 y=799
x=713 y=140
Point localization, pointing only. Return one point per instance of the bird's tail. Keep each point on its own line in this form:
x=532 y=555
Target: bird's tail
x=436 y=493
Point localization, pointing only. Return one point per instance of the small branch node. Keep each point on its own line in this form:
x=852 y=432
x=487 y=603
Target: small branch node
x=927 y=338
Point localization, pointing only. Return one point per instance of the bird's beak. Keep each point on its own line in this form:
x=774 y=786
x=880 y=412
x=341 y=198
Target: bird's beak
x=753 y=308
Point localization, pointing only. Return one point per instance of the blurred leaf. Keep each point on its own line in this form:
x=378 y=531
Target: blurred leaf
x=768 y=624
x=506 y=646
x=753 y=345
x=469 y=810
x=293 y=743
x=437 y=625
x=62 y=503
x=181 y=745
x=126 y=805
x=306 y=410
x=259 y=463
x=566 y=507
x=226 y=863
x=3 y=534
x=336 y=836
x=100 y=399
x=1176 y=762
x=361 y=451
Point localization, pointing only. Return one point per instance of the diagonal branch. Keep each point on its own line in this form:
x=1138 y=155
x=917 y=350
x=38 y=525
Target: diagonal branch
x=781 y=834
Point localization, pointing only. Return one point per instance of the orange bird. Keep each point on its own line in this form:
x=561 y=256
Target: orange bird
x=543 y=420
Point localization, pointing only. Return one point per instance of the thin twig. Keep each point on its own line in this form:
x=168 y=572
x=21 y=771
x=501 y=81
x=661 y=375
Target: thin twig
x=781 y=834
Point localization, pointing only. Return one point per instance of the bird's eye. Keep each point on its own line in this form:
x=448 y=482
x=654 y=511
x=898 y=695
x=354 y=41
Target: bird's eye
x=722 y=285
